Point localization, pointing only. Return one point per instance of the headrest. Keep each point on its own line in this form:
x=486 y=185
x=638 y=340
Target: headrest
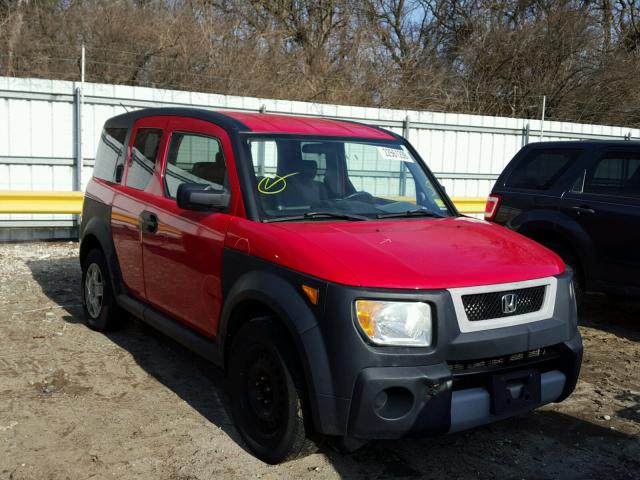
x=316 y=148
x=307 y=170
x=214 y=172
x=151 y=144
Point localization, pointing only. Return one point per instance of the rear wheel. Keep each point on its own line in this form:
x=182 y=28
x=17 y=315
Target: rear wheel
x=267 y=393
x=98 y=300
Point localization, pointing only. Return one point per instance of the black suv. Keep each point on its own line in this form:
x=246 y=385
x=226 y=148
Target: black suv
x=581 y=199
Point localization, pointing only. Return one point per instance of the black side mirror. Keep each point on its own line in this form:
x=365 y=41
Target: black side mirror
x=199 y=197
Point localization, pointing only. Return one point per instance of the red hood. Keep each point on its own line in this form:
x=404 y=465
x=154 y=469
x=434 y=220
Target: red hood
x=424 y=253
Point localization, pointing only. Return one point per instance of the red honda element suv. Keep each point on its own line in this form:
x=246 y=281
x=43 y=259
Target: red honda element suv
x=323 y=267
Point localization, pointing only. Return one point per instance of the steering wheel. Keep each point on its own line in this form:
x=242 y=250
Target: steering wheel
x=366 y=196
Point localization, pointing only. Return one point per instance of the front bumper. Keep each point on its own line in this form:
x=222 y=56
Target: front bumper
x=395 y=402
x=374 y=392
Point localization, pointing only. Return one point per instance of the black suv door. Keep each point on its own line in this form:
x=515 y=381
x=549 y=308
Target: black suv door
x=605 y=201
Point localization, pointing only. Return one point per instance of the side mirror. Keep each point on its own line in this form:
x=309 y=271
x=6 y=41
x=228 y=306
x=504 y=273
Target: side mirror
x=199 y=197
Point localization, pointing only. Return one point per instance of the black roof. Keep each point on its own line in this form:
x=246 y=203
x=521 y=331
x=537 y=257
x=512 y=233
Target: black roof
x=126 y=120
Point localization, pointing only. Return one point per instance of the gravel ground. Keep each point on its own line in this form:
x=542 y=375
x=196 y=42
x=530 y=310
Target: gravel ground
x=78 y=404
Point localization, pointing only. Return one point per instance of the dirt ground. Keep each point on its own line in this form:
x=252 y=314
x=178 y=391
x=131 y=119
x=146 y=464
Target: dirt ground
x=76 y=404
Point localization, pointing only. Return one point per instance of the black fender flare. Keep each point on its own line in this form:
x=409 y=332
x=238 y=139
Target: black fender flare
x=288 y=303
x=559 y=225
x=97 y=228
x=582 y=244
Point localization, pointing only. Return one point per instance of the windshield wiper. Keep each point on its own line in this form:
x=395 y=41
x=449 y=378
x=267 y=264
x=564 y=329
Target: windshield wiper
x=317 y=215
x=410 y=213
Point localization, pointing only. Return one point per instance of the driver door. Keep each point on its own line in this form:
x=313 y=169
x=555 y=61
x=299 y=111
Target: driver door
x=183 y=257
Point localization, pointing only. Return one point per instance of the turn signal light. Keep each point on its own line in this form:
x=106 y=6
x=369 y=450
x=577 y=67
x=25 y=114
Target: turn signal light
x=311 y=293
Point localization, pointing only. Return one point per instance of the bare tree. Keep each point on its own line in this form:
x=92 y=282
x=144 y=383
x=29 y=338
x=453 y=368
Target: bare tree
x=494 y=57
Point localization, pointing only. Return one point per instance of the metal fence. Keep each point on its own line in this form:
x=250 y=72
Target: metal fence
x=49 y=131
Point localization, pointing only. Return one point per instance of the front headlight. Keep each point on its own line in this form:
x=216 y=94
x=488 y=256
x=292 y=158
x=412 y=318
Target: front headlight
x=395 y=323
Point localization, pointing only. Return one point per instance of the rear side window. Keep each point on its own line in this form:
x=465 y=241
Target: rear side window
x=143 y=157
x=539 y=169
x=194 y=158
x=110 y=153
x=616 y=174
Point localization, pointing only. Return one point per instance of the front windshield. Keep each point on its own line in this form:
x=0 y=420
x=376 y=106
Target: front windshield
x=304 y=178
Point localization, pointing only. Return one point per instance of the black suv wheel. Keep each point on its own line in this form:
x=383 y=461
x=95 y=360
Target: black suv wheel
x=98 y=301
x=266 y=391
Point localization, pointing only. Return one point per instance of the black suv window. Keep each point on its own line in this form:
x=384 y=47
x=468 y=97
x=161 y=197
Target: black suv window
x=539 y=169
x=617 y=174
x=143 y=157
x=109 y=154
x=194 y=158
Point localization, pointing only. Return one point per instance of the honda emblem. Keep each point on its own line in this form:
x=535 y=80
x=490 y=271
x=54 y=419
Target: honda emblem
x=509 y=303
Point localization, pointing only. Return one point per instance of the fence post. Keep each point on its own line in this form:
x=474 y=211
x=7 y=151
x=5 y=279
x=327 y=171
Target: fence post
x=525 y=134
x=544 y=108
x=77 y=184
x=406 y=125
x=261 y=159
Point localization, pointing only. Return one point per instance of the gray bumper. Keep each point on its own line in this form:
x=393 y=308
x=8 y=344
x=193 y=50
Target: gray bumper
x=472 y=407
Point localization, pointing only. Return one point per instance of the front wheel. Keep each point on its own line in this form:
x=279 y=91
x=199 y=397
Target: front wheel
x=267 y=393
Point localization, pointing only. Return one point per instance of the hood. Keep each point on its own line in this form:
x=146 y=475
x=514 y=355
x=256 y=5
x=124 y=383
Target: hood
x=408 y=253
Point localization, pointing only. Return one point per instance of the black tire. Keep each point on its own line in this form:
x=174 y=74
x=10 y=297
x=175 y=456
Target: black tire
x=572 y=261
x=267 y=393
x=107 y=316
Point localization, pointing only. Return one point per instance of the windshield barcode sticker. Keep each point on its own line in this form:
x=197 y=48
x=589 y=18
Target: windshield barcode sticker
x=396 y=154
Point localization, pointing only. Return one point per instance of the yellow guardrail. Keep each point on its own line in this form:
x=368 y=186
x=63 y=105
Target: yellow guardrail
x=470 y=204
x=71 y=202
x=40 y=202
x=463 y=204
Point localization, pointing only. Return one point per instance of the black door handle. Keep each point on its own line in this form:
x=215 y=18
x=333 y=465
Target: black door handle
x=583 y=210
x=149 y=222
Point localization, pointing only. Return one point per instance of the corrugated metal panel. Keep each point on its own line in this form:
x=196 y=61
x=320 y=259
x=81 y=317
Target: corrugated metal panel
x=37 y=134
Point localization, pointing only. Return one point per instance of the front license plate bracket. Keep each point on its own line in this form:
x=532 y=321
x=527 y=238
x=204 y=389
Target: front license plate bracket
x=515 y=391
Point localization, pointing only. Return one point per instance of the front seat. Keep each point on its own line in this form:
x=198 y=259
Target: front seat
x=213 y=172
x=302 y=189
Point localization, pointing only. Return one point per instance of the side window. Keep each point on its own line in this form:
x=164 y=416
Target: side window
x=110 y=153
x=541 y=168
x=194 y=158
x=616 y=174
x=143 y=157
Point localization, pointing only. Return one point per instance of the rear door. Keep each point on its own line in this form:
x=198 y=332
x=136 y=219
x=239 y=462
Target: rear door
x=183 y=255
x=605 y=201
x=130 y=199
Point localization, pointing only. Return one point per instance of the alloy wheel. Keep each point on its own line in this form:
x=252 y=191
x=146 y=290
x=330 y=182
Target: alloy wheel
x=93 y=290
